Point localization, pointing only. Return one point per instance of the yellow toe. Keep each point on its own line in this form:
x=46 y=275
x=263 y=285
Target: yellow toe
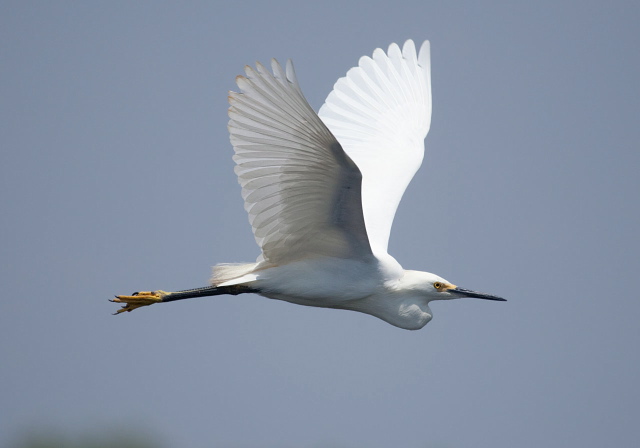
x=137 y=300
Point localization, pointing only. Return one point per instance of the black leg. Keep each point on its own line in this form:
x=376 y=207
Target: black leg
x=208 y=291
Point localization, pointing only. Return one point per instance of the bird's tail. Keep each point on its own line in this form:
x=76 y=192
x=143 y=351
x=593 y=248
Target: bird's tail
x=225 y=272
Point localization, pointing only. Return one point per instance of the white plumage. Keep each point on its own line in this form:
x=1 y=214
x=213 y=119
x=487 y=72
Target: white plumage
x=321 y=190
x=381 y=113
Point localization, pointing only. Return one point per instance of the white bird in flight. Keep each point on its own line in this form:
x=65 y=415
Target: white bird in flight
x=321 y=190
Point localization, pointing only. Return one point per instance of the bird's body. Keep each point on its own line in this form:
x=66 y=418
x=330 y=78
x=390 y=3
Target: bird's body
x=328 y=282
x=321 y=190
x=371 y=288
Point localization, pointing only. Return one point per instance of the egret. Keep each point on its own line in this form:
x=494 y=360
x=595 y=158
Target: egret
x=321 y=190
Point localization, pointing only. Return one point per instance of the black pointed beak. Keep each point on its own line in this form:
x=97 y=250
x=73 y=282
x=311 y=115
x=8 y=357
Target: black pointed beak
x=476 y=295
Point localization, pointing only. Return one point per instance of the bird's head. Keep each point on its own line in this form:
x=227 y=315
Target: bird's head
x=435 y=287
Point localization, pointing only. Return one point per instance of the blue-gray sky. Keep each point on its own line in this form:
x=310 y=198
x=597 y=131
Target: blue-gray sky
x=117 y=176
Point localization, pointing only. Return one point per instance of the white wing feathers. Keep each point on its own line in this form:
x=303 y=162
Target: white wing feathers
x=305 y=196
x=302 y=192
x=381 y=113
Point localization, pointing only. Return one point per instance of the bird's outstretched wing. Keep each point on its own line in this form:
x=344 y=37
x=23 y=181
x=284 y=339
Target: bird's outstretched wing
x=381 y=113
x=302 y=192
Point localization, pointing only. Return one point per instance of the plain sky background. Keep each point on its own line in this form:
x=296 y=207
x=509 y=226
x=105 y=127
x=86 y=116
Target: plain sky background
x=116 y=176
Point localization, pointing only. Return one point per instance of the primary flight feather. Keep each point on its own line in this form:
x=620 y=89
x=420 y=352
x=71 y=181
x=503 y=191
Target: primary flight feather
x=321 y=190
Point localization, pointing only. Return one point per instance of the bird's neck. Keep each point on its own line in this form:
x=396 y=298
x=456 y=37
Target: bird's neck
x=407 y=311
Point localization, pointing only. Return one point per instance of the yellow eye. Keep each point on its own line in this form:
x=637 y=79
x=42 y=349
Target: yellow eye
x=438 y=285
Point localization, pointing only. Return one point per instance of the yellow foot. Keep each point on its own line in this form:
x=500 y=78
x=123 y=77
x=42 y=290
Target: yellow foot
x=139 y=299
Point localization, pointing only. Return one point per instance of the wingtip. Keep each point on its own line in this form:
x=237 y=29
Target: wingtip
x=291 y=72
x=261 y=68
x=249 y=71
x=424 y=55
x=409 y=50
x=394 y=50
